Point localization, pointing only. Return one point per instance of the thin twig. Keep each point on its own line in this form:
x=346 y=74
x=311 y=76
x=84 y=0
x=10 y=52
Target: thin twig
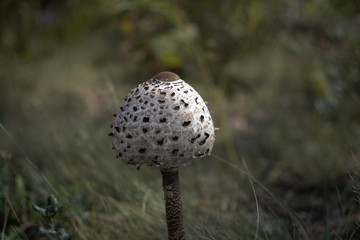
x=12 y=208
x=6 y=215
x=16 y=232
x=111 y=88
x=255 y=197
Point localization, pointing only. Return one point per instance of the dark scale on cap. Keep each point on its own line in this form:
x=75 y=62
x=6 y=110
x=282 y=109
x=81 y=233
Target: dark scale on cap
x=166 y=77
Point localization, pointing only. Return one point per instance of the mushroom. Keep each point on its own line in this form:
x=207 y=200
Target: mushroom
x=164 y=123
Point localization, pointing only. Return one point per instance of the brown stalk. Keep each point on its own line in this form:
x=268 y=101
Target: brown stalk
x=173 y=204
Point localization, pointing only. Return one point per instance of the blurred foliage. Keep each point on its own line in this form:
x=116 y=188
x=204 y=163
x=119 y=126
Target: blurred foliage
x=54 y=228
x=282 y=79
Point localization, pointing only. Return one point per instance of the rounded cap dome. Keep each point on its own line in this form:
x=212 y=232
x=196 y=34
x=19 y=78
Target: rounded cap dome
x=163 y=122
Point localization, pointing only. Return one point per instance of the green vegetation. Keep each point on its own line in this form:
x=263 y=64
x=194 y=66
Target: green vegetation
x=282 y=79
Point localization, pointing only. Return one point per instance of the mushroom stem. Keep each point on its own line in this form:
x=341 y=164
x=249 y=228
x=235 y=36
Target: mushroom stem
x=174 y=214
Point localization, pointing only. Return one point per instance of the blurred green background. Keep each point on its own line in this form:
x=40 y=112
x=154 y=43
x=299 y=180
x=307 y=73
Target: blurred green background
x=282 y=80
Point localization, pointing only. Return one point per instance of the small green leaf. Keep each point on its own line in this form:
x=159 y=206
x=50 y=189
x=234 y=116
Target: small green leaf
x=20 y=187
x=64 y=235
x=39 y=210
x=52 y=208
x=43 y=231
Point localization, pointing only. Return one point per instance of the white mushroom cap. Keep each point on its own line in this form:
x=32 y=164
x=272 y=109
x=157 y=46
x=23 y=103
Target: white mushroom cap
x=163 y=122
